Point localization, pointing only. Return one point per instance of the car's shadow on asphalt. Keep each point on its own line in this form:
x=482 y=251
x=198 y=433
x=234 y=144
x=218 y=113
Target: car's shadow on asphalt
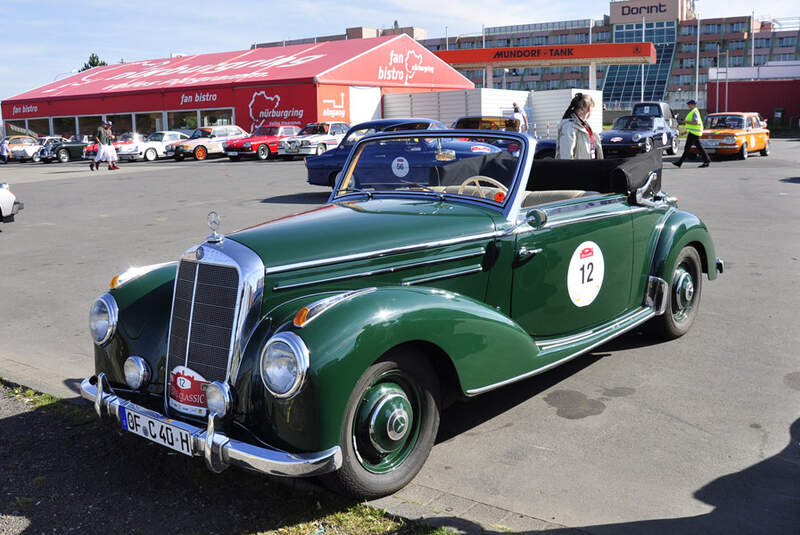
x=308 y=197
x=791 y=180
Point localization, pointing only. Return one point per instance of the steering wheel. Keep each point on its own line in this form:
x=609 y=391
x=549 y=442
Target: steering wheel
x=476 y=180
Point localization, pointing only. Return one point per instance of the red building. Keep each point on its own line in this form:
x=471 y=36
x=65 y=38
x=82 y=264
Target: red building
x=337 y=81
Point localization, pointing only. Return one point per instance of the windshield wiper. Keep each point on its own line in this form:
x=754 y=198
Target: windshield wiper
x=358 y=190
x=424 y=187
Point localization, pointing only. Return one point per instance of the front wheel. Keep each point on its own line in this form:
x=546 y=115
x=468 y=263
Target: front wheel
x=263 y=152
x=150 y=155
x=673 y=147
x=200 y=153
x=685 y=289
x=743 y=154
x=389 y=428
x=765 y=150
x=320 y=149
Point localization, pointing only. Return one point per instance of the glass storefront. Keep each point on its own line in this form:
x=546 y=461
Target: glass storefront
x=15 y=128
x=216 y=117
x=182 y=120
x=38 y=127
x=64 y=126
x=87 y=126
x=121 y=123
x=147 y=123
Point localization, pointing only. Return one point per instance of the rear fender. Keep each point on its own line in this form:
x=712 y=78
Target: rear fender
x=680 y=230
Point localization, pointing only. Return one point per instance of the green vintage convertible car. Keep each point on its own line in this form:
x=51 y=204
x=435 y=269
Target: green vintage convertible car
x=327 y=343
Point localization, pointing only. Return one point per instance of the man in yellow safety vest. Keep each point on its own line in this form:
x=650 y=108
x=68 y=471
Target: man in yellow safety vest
x=694 y=129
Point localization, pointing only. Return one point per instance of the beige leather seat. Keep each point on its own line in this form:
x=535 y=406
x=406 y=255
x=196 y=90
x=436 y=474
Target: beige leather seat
x=533 y=198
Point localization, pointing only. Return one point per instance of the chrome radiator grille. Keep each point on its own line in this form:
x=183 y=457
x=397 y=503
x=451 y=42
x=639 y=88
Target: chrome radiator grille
x=203 y=315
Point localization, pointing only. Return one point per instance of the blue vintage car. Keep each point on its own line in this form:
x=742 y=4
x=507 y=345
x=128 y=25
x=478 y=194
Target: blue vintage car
x=322 y=169
x=634 y=134
x=545 y=148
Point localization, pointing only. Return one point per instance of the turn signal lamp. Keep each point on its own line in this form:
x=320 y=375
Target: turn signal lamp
x=301 y=317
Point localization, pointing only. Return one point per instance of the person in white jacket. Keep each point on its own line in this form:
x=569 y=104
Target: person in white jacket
x=575 y=139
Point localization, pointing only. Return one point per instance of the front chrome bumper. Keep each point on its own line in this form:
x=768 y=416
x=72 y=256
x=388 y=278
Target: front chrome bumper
x=219 y=450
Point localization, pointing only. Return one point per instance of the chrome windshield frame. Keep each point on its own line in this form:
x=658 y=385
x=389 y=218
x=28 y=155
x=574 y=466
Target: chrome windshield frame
x=512 y=207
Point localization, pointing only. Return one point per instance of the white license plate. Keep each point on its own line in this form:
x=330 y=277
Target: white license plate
x=231 y=153
x=292 y=150
x=167 y=435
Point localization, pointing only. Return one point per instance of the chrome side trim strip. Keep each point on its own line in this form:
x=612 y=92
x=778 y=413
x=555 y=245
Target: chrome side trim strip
x=537 y=371
x=547 y=344
x=593 y=217
x=381 y=252
x=380 y=271
x=441 y=276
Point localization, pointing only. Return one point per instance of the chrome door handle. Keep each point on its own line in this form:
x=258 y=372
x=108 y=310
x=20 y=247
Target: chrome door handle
x=524 y=252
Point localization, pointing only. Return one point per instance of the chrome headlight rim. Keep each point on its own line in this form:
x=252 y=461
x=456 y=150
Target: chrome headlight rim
x=730 y=140
x=113 y=315
x=636 y=137
x=301 y=355
x=141 y=369
x=225 y=394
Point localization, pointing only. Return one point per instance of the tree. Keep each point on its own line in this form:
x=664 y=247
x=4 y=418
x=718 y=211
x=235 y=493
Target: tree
x=94 y=61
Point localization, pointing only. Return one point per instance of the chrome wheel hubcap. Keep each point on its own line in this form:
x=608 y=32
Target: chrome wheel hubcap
x=683 y=293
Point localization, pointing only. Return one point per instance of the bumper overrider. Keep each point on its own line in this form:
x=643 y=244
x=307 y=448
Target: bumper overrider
x=219 y=451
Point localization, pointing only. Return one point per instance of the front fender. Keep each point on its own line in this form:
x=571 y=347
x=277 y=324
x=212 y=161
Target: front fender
x=484 y=345
x=679 y=230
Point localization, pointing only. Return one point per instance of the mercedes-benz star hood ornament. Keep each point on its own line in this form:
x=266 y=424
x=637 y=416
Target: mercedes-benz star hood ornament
x=213 y=224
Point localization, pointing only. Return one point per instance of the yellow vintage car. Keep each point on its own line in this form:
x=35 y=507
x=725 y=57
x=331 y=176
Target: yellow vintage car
x=734 y=133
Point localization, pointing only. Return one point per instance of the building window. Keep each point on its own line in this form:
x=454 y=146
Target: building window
x=687 y=63
x=689 y=47
x=707 y=62
x=712 y=28
x=147 y=123
x=561 y=39
x=17 y=128
x=736 y=45
x=710 y=47
x=761 y=43
x=540 y=40
x=121 y=123
x=703 y=78
x=38 y=127
x=87 y=125
x=216 y=117
x=784 y=57
x=182 y=120
x=689 y=30
x=553 y=84
x=735 y=61
x=787 y=41
x=523 y=41
x=580 y=38
x=761 y=59
x=601 y=36
x=64 y=126
x=737 y=27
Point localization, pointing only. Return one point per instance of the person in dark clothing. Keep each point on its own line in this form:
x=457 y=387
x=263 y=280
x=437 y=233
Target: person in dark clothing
x=694 y=130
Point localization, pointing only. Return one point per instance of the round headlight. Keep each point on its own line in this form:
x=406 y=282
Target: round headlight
x=305 y=143
x=636 y=137
x=218 y=398
x=247 y=145
x=284 y=362
x=137 y=372
x=103 y=319
x=729 y=139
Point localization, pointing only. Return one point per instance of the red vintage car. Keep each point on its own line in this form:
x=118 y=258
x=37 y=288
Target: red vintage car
x=263 y=142
x=128 y=138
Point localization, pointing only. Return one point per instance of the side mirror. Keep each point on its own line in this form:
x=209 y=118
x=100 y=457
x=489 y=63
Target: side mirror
x=536 y=218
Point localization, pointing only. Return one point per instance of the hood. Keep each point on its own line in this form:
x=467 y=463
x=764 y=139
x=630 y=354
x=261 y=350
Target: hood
x=723 y=132
x=624 y=134
x=362 y=226
x=311 y=137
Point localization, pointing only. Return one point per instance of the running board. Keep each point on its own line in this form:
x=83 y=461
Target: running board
x=592 y=338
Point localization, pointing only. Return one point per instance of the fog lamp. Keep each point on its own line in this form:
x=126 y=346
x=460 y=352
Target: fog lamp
x=137 y=372
x=218 y=398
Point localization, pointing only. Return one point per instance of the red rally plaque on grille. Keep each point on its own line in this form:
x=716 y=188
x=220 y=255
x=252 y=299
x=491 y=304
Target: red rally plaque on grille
x=187 y=391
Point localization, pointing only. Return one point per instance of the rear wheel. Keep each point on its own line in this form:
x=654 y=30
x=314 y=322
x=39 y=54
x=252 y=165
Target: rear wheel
x=200 y=153
x=390 y=425
x=263 y=152
x=685 y=289
x=743 y=153
x=150 y=155
x=765 y=150
x=63 y=155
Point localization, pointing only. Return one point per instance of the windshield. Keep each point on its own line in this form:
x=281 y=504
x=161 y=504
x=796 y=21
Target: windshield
x=310 y=129
x=629 y=122
x=488 y=123
x=266 y=131
x=201 y=132
x=155 y=136
x=464 y=166
x=724 y=121
x=647 y=109
x=355 y=135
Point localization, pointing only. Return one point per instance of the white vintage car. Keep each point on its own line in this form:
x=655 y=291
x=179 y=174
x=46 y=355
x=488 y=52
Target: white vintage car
x=150 y=148
x=23 y=148
x=205 y=141
x=9 y=205
x=314 y=138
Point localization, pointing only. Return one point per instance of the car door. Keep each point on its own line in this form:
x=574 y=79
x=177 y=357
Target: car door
x=758 y=135
x=661 y=136
x=574 y=271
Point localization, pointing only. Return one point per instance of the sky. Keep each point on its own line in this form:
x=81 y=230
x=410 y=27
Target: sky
x=46 y=42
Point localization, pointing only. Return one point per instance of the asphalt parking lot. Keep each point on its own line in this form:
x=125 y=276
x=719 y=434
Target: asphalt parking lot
x=697 y=435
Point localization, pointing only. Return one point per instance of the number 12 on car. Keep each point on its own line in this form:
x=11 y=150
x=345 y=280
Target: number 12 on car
x=585 y=273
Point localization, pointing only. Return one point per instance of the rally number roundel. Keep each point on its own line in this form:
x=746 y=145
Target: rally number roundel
x=585 y=274
x=400 y=167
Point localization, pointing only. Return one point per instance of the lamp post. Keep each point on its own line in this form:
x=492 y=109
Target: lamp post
x=642 y=100
x=697 y=64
